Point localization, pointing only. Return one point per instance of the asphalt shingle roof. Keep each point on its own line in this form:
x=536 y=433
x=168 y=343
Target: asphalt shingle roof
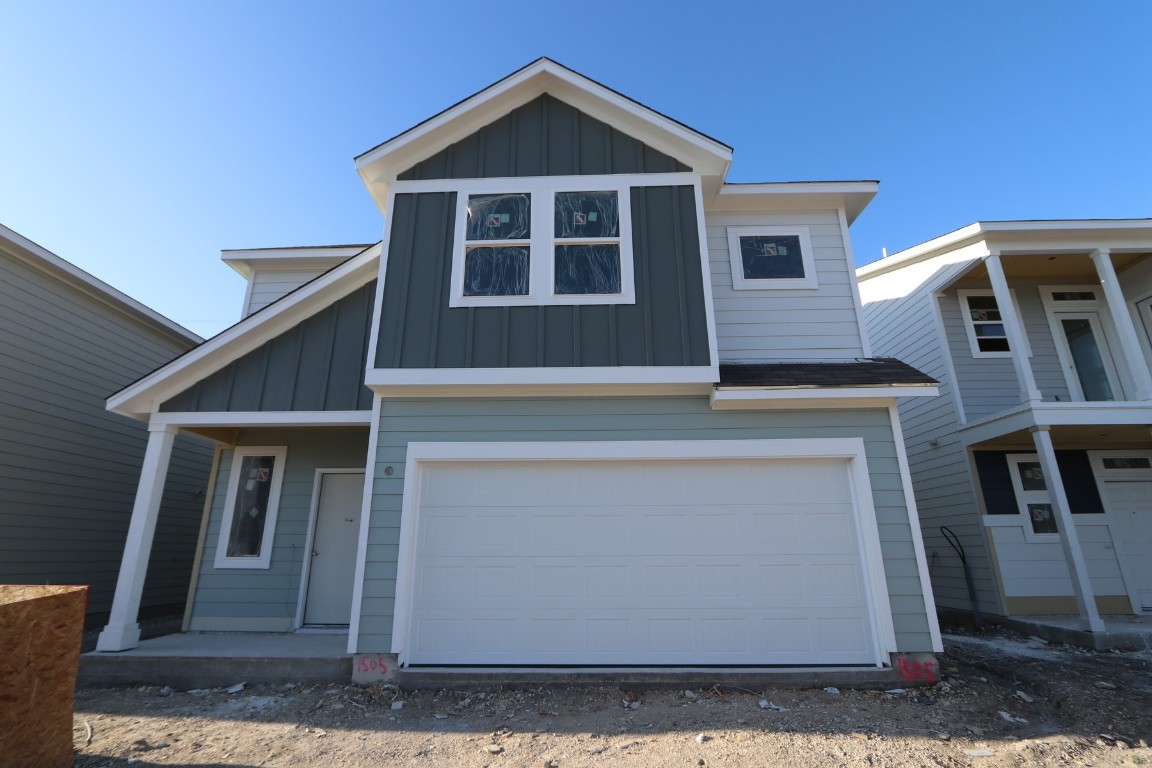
x=866 y=372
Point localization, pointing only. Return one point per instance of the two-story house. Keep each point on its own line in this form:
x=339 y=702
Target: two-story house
x=585 y=404
x=1037 y=455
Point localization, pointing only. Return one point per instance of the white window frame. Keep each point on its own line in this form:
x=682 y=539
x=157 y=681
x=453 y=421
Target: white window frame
x=970 y=325
x=807 y=257
x=543 y=242
x=1095 y=311
x=1024 y=498
x=264 y=560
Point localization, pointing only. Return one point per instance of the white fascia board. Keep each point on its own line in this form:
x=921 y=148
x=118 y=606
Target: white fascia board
x=542 y=381
x=851 y=196
x=379 y=166
x=263 y=418
x=138 y=400
x=804 y=397
x=1026 y=416
x=246 y=261
x=46 y=261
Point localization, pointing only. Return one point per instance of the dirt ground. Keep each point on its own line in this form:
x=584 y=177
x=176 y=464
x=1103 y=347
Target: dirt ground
x=1004 y=700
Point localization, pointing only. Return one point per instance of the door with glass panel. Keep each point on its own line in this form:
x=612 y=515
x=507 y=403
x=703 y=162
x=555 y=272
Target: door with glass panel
x=1089 y=365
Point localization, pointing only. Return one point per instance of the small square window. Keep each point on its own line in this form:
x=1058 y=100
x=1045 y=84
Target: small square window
x=765 y=258
x=1031 y=476
x=1043 y=520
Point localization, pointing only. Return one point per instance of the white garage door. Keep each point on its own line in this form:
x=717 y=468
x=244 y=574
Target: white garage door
x=638 y=562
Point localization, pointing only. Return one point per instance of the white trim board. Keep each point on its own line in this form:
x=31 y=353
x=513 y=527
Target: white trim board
x=849 y=448
x=263 y=418
x=567 y=376
x=841 y=397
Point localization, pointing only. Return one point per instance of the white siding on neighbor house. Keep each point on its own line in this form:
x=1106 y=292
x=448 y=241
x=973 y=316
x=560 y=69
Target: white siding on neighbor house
x=68 y=467
x=902 y=322
x=268 y=285
x=1032 y=569
x=780 y=324
x=989 y=384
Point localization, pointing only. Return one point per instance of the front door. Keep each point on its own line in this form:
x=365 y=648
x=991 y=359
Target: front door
x=333 y=555
x=1130 y=502
x=1089 y=359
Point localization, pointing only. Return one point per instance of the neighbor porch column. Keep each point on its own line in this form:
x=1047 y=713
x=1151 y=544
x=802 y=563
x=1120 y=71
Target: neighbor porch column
x=122 y=631
x=1125 y=328
x=1069 y=539
x=1012 y=329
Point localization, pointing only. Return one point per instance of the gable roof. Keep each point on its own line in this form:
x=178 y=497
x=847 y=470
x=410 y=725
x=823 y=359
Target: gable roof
x=379 y=166
x=140 y=398
x=41 y=258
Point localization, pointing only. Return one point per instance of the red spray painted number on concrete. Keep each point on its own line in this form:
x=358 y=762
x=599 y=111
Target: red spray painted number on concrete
x=916 y=670
x=374 y=664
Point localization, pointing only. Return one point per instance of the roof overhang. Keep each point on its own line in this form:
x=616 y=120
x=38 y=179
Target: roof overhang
x=141 y=399
x=851 y=196
x=1024 y=238
x=247 y=260
x=44 y=260
x=380 y=166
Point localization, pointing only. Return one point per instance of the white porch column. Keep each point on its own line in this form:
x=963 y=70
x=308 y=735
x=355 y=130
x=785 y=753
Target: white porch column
x=1069 y=539
x=1125 y=328
x=1012 y=328
x=122 y=631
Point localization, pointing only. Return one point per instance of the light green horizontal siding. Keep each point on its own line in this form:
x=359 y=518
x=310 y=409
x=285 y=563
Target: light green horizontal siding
x=272 y=593
x=681 y=418
x=69 y=468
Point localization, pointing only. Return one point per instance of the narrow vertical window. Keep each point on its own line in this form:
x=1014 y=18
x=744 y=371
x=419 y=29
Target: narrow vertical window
x=250 y=508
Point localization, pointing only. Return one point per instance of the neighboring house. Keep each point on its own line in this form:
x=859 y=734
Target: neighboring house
x=68 y=467
x=1037 y=455
x=544 y=422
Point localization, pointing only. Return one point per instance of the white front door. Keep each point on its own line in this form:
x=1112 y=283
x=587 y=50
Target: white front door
x=333 y=555
x=1130 y=502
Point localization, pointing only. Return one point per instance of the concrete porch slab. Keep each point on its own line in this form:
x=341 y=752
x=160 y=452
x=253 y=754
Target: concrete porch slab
x=1122 y=633
x=214 y=659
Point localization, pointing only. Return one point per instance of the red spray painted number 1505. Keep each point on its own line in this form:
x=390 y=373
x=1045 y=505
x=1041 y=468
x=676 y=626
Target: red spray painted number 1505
x=374 y=664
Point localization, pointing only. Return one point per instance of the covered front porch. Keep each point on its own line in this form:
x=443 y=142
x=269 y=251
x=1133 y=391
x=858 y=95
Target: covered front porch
x=279 y=537
x=1066 y=497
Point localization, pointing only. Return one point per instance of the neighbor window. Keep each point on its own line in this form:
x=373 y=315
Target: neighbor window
x=250 y=506
x=984 y=324
x=771 y=257
x=542 y=241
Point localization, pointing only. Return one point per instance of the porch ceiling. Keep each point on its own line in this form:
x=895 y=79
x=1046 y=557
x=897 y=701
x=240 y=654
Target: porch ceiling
x=1090 y=437
x=1054 y=266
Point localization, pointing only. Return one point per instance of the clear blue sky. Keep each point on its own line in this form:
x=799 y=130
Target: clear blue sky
x=138 y=139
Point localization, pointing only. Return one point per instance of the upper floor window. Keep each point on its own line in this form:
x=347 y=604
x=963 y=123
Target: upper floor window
x=771 y=257
x=984 y=324
x=542 y=241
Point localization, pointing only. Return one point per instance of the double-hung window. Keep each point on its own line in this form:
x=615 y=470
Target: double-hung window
x=542 y=241
x=984 y=323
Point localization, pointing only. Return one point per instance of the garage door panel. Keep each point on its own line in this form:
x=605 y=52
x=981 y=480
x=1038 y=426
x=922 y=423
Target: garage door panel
x=638 y=562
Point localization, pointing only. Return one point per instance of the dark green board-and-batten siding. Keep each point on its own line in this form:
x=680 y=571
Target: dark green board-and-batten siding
x=545 y=137
x=318 y=365
x=667 y=326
